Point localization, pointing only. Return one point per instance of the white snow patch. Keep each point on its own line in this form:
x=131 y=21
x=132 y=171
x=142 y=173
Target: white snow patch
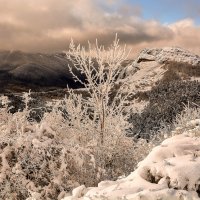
x=195 y=79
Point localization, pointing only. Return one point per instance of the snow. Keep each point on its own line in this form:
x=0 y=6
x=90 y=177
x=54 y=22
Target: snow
x=169 y=172
x=79 y=191
x=195 y=79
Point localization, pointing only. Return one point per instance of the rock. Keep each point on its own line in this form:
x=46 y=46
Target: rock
x=148 y=67
x=79 y=191
x=162 y=55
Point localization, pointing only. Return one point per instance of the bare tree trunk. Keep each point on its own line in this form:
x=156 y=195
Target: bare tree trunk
x=102 y=124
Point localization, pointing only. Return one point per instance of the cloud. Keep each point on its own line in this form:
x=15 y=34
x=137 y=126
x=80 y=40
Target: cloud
x=186 y=34
x=48 y=25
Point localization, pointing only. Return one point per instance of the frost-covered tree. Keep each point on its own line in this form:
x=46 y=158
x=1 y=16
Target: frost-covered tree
x=105 y=107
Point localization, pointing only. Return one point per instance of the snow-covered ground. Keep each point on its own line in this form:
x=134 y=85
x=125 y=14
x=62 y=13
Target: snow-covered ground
x=169 y=172
x=146 y=77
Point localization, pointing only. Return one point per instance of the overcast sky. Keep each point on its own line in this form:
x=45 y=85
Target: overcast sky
x=48 y=25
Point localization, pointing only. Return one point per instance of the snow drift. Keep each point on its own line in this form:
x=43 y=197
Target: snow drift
x=170 y=171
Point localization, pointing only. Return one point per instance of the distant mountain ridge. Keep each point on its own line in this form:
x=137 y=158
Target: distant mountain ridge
x=32 y=70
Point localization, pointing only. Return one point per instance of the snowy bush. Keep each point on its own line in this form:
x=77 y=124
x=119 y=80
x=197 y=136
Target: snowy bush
x=166 y=101
x=188 y=120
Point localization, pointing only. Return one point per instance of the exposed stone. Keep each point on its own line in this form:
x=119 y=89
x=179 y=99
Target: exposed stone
x=162 y=55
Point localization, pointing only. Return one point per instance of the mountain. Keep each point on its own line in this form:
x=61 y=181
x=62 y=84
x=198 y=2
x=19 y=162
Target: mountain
x=21 y=71
x=163 y=82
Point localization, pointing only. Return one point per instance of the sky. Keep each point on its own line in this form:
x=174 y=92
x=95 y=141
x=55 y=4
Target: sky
x=48 y=25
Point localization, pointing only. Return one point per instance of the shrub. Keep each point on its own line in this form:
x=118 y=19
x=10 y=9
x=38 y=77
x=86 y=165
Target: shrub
x=47 y=159
x=166 y=101
x=188 y=120
x=182 y=70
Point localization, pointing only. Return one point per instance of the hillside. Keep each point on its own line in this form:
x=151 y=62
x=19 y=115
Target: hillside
x=164 y=81
x=151 y=65
x=21 y=71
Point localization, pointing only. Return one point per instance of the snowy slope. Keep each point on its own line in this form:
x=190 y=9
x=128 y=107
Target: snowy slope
x=146 y=77
x=169 y=172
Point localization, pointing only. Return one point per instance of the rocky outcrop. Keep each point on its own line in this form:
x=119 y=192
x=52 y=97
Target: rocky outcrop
x=148 y=68
x=162 y=55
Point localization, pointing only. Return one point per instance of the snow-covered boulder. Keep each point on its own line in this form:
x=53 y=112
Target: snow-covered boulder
x=169 y=172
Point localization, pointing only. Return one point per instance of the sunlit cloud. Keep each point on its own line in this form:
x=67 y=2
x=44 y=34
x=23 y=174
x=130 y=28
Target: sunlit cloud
x=48 y=25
